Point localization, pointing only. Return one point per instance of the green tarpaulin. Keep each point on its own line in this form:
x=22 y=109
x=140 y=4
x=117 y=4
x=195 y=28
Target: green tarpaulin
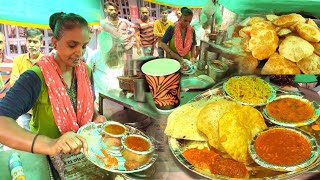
x=36 y=13
x=253 y=7
x=180 y=3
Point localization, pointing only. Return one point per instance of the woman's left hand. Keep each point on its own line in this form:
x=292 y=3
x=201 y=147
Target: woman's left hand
x=100 y=119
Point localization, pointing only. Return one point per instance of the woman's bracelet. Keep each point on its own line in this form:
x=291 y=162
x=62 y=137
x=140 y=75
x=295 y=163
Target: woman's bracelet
x=34 y=140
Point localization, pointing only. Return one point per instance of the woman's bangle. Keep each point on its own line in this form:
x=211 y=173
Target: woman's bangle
x=34 y=140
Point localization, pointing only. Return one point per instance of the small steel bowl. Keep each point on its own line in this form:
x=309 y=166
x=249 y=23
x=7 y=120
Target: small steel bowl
x=112 y=134
x=112 y=140
x=134 y=156
x=273 y=120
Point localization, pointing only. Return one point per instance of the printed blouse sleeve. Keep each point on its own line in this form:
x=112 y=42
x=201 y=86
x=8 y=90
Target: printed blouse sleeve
x=168 y=35
x=22 y=96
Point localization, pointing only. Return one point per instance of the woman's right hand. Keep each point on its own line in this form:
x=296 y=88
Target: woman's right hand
x=69 y=142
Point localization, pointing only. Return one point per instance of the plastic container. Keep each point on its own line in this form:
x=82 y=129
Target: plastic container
x=16 y=168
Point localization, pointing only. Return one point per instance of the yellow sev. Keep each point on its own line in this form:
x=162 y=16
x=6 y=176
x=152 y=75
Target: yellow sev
x=247 y=89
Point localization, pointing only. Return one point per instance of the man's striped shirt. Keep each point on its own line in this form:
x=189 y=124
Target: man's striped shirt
x=147 y=37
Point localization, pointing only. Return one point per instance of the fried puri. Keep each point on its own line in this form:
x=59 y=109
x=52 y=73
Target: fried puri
x=208 y=120
x=236 y=129
x=295 y=48
x=310 y=64
x=308 y=32
x=277 y=64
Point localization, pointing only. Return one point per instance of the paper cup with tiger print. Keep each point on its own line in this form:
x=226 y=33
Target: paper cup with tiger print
x=163 y=77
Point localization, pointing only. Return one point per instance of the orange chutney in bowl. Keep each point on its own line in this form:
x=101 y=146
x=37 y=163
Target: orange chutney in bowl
x=282 y=147
x=290 y=110
x=114 y=129
x=137 y=143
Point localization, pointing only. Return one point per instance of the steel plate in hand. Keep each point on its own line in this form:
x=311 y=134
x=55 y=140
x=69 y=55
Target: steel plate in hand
x=92 y=133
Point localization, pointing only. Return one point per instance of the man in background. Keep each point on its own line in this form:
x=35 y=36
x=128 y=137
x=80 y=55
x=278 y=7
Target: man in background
x=202 y=31
x=144 y=33
x=174 y=15
x=25 y=61
x=5 y=68
x=160 y=27
x=119 y=28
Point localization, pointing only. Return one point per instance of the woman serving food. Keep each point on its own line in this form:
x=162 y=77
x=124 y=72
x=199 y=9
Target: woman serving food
x=181 y=38
x=59 y=91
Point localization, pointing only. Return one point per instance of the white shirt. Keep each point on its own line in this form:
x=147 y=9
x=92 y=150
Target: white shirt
x=104 y=78
x=172 y=17
x=201 y=34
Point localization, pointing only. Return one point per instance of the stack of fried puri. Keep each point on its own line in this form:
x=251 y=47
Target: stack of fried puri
x=289 y=43
x=230 y=127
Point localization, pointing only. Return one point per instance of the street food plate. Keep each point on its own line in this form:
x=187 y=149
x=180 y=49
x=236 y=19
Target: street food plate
x=92 y=133
x=178 y=146
x=249 y=90
x=309 y=105
x=308 y=159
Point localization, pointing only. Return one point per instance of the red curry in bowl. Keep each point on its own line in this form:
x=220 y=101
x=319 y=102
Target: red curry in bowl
x=290 y=110
x=282 y=147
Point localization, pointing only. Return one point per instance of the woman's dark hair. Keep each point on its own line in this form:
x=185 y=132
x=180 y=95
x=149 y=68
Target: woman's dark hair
x=186 y=12
x=68 y=22
x=53 y=19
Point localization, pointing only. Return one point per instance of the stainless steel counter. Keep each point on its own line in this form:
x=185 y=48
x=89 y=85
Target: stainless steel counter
x=166 y=167
x=148 y=108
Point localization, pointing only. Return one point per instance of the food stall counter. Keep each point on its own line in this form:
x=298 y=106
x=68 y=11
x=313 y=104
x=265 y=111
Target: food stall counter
x=148 y=108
